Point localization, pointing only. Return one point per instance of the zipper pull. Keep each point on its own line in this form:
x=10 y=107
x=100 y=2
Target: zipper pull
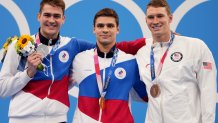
x=50 y=42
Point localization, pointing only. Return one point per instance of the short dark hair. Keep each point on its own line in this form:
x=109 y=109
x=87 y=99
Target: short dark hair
x=54 y=3
x=106 y=12
x=159 y=3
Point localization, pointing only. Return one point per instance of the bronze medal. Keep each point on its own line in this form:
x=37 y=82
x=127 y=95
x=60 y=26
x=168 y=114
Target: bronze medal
x=155 y=90
x=102 y=103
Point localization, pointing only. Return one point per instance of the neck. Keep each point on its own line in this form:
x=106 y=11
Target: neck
x=48 y=36
x=47 y=41
x=162 y=38
x=105 y=47
x=106 y=54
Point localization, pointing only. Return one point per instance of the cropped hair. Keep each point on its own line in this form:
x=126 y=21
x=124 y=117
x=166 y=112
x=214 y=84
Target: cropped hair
x=54 y=3
x=159 y=3
x=106 y=12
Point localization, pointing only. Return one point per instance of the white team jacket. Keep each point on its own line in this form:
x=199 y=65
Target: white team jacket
x=187 y=82
x=37 y=99
x=124 y=79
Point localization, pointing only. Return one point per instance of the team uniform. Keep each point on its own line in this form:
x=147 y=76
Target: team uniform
x=124 y=78
x=43 y=98
x=187 y=81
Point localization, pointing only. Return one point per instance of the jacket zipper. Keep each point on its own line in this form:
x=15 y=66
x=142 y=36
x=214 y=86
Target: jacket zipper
x=52 y=75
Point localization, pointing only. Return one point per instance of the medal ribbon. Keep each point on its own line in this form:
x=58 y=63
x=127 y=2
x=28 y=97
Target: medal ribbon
x=160 y=66
x=54 y=48
x=98 y=72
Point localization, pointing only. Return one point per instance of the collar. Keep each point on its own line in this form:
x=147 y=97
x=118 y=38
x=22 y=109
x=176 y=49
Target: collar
x=110 y=54
x=48 y=42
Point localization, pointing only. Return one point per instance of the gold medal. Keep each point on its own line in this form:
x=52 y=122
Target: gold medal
x=102 y=103
x=155 y=90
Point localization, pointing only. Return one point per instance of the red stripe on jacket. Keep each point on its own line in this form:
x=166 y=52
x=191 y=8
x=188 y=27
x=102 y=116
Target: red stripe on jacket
x=58 y=89
x=116 y=111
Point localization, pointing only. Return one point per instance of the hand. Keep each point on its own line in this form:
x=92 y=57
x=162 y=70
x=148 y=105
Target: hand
x=33 y=61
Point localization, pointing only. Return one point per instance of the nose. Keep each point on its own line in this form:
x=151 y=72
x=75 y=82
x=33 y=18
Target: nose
x=51 y=19
x=105 y=29
x=155 y=20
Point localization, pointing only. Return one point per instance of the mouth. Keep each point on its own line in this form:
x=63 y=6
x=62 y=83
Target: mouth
x=104 y=36
x=156 y=27
x=51 y=26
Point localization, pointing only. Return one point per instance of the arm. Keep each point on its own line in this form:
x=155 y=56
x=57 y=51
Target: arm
x=139 y=88
x=79 y=46
x=84 y=45
x=206 y=76
x=131 y=47
x=12 y=80
x=76 y=73
x=139 y=92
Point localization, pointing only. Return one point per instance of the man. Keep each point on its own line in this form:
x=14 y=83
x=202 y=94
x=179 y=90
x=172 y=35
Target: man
x=179 y=72
x=39 y=96
x=106 y=76
x=42 y=96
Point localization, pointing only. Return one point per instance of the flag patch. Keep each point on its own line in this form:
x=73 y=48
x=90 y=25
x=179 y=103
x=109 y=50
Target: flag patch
x=207 y=65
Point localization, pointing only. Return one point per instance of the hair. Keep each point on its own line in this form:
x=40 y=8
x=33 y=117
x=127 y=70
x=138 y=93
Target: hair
x=54 y=3
x=106 y=12
x=159 y=3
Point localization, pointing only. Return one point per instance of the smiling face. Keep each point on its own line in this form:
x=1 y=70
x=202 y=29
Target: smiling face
x=51 y=19
x=158 y=21
x=106 y=29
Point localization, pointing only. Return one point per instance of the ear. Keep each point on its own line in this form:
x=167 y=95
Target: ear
x=93 y=31
x=63 y=19
x=171 y=18
x=118 y=30
x=146 y=19
x=38 y=16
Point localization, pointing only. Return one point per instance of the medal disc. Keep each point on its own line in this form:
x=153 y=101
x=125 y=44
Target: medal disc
x=155 y=90
x=102 y=103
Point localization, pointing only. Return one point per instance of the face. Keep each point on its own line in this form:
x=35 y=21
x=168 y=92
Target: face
x=106 y=30
x=158 y=21
x=50 y=19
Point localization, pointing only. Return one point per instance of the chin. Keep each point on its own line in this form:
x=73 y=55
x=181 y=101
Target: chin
x=52 y=32
x=104 y=40
x=105 y=43
x=157 y=32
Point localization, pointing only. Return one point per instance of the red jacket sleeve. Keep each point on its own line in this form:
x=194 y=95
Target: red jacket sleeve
x=131 y=47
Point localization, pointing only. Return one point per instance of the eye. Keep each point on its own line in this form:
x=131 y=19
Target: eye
x=57 y=16
x=150 y=17
x=160 y=16
x=110 y=25
x=47 y=15
x=100 y=25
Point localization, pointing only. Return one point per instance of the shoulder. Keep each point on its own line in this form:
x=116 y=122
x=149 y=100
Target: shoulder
x=66 y=39
x=122 y=56
x=196 y=42
x=189 y=39
x=83 y=59
x=146 y=47
x=85 y=55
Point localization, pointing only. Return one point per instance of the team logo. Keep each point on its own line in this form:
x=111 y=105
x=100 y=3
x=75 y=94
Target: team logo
x=176 y=57
x=63 y=56
x=120 y=73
